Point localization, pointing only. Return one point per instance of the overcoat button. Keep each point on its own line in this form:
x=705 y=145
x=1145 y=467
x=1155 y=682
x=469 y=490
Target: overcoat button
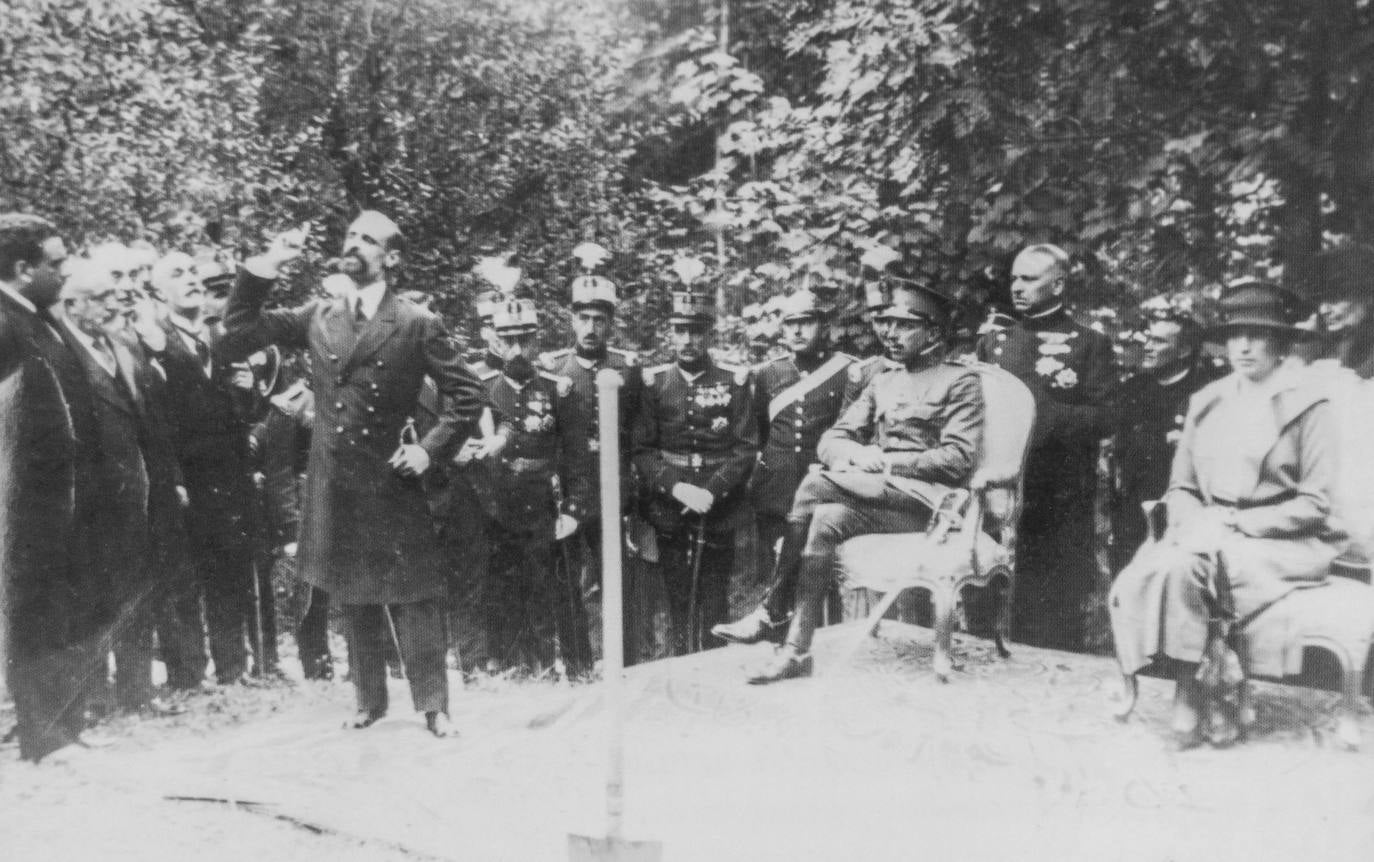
x=339 y=430
x=338 y=405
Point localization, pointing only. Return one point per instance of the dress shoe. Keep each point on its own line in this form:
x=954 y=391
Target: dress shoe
x=438 y=724
x=785 y=665
x=751 y=629
x=366 y=718
x=162 y=708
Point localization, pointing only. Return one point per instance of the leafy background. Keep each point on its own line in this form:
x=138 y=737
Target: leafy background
x=1169 y=145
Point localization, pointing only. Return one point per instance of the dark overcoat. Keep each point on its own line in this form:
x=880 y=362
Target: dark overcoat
x=366 y=532
x=49 y=449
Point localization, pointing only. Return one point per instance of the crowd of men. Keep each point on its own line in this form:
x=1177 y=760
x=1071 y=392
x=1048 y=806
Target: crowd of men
x=168 y=444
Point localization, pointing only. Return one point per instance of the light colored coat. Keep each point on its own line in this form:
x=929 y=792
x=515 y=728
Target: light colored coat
x=1284 y=535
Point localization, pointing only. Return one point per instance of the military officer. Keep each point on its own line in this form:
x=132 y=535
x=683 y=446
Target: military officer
x=877 y=297
x=534 y=495
x=695 y=440
x=594 y=301
x=1070 y=371
x=892 y=459
x=797 y=398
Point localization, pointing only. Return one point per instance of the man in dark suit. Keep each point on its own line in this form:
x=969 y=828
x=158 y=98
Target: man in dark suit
x=137 y=477
x=367 y=537
x=49 y=449
x=1070 y=370
x=209 y=402
x=695 y=441
x=1149 y=411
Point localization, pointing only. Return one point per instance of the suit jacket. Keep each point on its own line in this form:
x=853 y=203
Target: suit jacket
x=366 y=532
x=209 y=432
x=49 y=451
x=136 y=467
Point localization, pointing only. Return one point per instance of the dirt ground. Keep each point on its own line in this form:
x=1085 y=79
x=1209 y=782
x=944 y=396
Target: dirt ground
x=870 y=759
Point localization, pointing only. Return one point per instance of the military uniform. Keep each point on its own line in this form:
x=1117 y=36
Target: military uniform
x=527 y=600
x=862 y=372
x=1069 y=369
x=701 y=429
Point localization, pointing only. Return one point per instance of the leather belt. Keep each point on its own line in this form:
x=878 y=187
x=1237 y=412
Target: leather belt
x=529 y=465
x=694 y=460
x=1242 y=505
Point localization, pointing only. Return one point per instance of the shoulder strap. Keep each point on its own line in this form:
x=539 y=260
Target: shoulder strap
x=832 y=366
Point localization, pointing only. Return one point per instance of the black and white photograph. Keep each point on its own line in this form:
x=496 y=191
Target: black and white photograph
x=677 y=430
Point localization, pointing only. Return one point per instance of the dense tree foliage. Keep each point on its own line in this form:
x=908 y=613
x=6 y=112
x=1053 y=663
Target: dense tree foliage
x=1169 y=144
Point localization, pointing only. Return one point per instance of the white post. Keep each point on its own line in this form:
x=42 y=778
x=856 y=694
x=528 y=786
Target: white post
x=608 y=385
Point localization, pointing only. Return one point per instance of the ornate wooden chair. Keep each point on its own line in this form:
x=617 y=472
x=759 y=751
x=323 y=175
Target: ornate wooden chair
x=1329 y=622
x=974 y=547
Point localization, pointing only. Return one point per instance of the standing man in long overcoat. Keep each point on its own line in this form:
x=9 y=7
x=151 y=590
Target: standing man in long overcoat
x=49 y=451
x=367 y=538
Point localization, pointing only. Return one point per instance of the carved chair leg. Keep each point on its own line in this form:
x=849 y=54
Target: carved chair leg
x=1350 y=708
x=1002 y=628
x=870 y=625
x=946 y=613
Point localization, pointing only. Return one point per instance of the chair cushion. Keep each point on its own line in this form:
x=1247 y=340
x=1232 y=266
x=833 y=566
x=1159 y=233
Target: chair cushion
x=888 y=561
x=1337 y=615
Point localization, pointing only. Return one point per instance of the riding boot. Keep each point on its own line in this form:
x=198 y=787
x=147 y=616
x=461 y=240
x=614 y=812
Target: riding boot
x=768 y=622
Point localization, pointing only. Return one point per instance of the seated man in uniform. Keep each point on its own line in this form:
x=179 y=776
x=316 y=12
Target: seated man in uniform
x=896 y=453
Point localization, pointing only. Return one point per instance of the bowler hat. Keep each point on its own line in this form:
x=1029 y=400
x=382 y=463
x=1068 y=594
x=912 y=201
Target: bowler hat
x=1259 y=304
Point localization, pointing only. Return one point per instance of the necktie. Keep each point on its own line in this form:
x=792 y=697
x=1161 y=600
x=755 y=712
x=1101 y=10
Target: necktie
x=202 y=351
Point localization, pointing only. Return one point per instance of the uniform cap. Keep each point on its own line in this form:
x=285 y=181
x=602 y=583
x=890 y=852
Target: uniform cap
x=515 y=315
x=693 y=303
x=802 y=305
x=877 y=296
x=912 y=300
x=594 y=290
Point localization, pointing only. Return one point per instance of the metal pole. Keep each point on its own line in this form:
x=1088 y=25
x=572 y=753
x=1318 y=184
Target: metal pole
x=608 y=384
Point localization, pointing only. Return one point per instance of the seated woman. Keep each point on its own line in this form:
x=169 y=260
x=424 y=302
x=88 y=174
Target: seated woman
x=1250 y=489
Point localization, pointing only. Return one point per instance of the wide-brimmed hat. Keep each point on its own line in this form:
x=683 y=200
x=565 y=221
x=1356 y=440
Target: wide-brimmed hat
x=1260 y=304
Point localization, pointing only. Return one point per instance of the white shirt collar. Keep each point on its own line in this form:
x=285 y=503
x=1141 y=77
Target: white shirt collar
x=369 y=297
x=17 y=297
x=588 y=364
x=101 y=357
x=190 y=328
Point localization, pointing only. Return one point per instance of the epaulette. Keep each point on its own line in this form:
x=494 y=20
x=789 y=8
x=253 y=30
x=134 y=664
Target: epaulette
x=631 y=358
x=564 y=384
x=651 y=373
x=487 y=373
x=741 y=372
x=849 y=356
x=550 y=357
